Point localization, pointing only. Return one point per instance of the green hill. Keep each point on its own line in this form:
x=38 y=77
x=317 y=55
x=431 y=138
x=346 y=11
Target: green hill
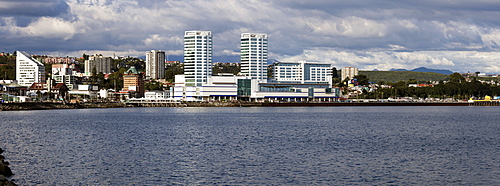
x=395 y=76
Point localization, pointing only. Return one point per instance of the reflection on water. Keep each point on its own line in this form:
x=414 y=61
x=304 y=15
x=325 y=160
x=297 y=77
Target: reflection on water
x=262 y=146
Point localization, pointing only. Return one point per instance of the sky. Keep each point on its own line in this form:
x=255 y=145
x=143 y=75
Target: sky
x=457 y=35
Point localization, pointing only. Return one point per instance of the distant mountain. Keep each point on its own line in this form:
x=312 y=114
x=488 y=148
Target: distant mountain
x=440 y=71
x=423 y=69
x=399 y=69
x=395 y=76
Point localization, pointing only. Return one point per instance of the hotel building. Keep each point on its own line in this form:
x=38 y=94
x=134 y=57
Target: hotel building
x=28 y=69
x=155 y=64
x=254 y=55
x=197 y=57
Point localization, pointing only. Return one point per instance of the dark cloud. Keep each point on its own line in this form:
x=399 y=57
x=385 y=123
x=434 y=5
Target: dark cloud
x=33 y=8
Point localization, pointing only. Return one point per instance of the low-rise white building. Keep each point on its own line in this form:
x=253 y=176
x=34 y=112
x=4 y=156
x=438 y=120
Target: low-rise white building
x=302 y=72
x=229 y=88
x=157 y=95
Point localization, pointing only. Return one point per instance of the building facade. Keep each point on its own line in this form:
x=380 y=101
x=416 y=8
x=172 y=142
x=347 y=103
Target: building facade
x=230 y=88
x=254 y=55
x=101 y=64
x=197 y=57
x=155 y=64
x=133 y=81
x=302 y=72
x=63 y=69
x=349 y=72
x=28 y=70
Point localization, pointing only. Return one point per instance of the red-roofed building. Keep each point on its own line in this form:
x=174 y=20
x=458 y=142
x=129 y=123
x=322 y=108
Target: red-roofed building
x=59 y=90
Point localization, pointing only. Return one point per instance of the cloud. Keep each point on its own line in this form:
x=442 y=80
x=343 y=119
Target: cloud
x=48 y=27
x=458 y=61
x=33 y=8
x=369 y=34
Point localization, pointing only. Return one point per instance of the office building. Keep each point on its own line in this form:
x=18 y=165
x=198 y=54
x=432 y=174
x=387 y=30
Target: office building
x=155 y=64
x=254 y=55
x=100 y=63
x=28 y=69
x=197 y=57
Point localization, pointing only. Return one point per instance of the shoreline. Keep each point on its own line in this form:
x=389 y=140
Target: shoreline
x=51 y=105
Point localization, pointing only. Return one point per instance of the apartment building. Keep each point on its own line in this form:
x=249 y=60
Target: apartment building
x=28 y=69
x=197 y=57
x=100 y=63
x=349 y=72
x=254 y=55
x=155 y=64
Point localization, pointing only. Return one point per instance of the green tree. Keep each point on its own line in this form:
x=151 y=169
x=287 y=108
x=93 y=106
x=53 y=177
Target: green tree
x=153 y=85
x=456 y=78
x=362 y=79
x=93 y=76
x=172 y=70
x=7 y=72
x=335 y=73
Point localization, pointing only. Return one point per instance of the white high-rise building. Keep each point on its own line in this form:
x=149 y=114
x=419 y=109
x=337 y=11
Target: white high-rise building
x=254 y=55
x=101 y=64
x=155 y=64
x=28 y=69
x=197 y=57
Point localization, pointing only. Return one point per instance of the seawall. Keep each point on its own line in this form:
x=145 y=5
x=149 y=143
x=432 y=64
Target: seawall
x=50 y=105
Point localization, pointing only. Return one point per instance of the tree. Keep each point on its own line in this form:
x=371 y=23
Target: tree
x=48 y=70
x=335 y=73
x=362 y=79
x=7 y=72
x=153 y=85
x=456 y=78
x=93 y=76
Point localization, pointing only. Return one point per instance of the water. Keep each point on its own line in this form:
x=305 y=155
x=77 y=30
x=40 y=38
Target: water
x=254 y=146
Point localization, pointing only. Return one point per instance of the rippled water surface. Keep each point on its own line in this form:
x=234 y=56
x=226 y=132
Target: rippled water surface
x=254 y=146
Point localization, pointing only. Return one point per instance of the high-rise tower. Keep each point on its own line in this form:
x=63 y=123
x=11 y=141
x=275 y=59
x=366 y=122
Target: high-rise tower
x=100 y=63
x=197 y=57
x=155 y=64
x=28 y=69
x=254 y=55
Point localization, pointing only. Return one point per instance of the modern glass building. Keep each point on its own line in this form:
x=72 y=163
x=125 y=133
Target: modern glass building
x=28 y=70
x=155 y=64
x=254 y=55
x=197 y=57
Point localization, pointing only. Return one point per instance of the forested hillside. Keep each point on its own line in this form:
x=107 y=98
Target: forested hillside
x=395 y=76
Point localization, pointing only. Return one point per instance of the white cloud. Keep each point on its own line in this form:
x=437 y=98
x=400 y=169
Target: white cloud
x=460 y=61
x=158 y=41
x=353 y=27
x=49 y=27
x=383 y=35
